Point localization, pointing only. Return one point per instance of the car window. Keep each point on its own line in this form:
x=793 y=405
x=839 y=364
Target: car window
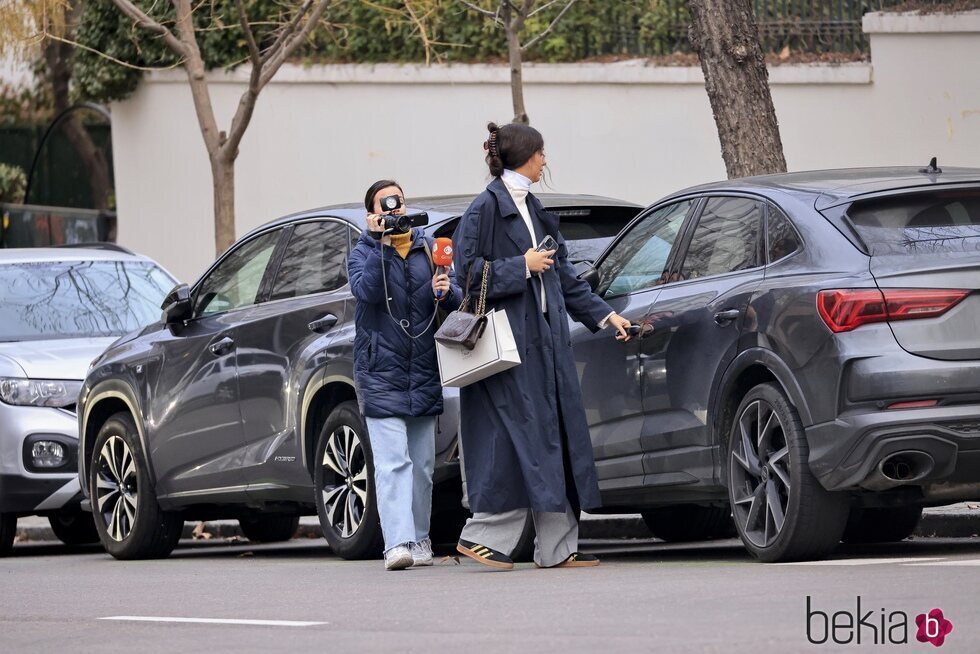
x=79 y=299
x=783 y=239
x=726 y=238
x=639 y=260
x=589 y=230
x=235 y=282
x=315 y=260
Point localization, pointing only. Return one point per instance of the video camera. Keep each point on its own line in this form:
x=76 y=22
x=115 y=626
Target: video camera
x=399 y=224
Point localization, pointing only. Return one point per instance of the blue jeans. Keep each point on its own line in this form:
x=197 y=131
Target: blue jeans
x=404 y=452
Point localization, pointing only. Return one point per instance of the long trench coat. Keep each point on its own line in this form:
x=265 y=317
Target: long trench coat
x=510 y=429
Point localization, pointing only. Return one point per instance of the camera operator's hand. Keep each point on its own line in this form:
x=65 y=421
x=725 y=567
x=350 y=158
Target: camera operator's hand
x=440 y=283
x=375 y=224
x=538 y=262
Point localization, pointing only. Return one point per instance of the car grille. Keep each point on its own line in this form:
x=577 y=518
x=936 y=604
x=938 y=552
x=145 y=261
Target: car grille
x=966 y=427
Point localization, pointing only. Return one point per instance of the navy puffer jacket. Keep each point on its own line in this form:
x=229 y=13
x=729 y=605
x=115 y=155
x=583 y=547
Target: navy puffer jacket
x=396 y=375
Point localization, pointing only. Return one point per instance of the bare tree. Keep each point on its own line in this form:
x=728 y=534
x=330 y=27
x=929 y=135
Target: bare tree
x=726 y=37
x=512 y=16
x=222 y=146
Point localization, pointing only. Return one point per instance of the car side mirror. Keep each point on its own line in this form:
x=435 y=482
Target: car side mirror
x=177 y=306
x=589 y=274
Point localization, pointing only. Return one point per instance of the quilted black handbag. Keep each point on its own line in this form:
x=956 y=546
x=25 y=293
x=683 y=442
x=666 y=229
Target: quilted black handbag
x=462 y=329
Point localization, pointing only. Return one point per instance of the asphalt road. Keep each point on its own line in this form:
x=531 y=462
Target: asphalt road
x=645 y=597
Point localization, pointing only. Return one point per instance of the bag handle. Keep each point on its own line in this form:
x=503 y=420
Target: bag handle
x=482 y=248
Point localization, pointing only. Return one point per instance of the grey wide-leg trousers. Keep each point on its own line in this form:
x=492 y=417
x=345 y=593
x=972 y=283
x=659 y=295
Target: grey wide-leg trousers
x=555 y=540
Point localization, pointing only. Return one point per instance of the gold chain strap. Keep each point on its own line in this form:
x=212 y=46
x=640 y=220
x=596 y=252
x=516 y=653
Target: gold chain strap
x=481 y=305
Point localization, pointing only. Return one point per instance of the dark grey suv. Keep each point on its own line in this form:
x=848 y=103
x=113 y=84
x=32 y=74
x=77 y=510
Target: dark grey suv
x=240 y=401
x=807 y=361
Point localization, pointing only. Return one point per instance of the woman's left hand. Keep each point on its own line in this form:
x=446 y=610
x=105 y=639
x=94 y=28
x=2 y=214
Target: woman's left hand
x=621 y=325
x=440 y=283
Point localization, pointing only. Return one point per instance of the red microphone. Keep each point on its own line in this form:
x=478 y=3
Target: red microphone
x=442 y=257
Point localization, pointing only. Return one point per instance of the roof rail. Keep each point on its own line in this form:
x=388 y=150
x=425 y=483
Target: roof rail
x=98 y=245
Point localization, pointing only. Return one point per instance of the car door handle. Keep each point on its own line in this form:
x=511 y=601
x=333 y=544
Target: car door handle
x=224 y=346
x=320 y=325
x=722 y=318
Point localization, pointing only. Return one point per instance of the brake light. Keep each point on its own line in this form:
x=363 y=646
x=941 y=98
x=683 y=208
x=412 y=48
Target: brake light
x=849 y=308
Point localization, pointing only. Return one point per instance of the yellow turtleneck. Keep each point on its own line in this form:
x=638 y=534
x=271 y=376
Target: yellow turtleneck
x=402 y=243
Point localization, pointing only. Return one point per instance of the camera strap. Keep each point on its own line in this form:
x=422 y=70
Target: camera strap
x=404 y=323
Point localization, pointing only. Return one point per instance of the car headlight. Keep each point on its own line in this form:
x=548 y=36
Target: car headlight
x=39 y=392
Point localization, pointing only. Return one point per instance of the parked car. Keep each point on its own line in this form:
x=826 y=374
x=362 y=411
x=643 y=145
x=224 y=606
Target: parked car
x=807 y=358
x=59 y=309
x=240 y=401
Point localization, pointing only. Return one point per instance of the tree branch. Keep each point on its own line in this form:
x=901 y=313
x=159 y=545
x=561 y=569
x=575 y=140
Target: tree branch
x=544 y=33
x=289 y=28
x=480 y=10
x=144 y=21
x=543 y=7
x=290 y=41
x=253 y=48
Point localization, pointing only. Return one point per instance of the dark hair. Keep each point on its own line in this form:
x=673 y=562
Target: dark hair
x=373 y=190
x=511 y=146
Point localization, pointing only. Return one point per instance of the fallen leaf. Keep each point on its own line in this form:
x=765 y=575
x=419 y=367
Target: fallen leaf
x=449 y=560
x=199 y=532
x=784 y=53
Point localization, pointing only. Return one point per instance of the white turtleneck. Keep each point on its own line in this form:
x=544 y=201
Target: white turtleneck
x=519 y=186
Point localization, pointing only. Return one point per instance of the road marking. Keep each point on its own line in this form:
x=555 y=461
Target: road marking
x=950 y=562
x=262 y=623
x=904 y=560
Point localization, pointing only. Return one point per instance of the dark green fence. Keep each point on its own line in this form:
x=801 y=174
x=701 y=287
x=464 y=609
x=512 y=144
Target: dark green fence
x=812 y=26
x=60 y=178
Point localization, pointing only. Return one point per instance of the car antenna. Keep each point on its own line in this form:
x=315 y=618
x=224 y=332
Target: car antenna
x=933 y=169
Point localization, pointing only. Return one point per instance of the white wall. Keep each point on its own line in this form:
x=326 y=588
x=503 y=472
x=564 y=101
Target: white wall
x=321 y=135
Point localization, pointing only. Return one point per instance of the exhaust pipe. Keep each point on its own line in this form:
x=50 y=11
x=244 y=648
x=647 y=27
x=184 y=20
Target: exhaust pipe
x=899 y=468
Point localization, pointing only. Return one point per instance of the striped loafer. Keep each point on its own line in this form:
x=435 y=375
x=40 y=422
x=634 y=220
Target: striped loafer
x=484 y=555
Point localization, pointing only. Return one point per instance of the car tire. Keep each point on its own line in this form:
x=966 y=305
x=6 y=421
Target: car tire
x=781 y=511
x=343 y=484
x=74 y=527
x=128 y=518
x=269 y=528
x=8 y=529
x=689 y=522
x=881 y=525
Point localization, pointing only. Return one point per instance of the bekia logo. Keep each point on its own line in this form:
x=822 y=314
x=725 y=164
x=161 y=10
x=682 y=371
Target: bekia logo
x=874 y=626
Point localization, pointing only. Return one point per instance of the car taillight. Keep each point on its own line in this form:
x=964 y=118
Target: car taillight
x=848 y=308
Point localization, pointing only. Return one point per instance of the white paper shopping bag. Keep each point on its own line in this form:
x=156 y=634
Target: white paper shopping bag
x=496 y=351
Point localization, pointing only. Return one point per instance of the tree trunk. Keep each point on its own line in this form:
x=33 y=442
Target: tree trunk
x=726 y=37
x=57 y=56
x=223 y=177
x=516 y=76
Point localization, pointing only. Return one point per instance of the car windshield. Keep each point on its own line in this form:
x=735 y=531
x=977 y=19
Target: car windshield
x=927 y=223
x=77 y=299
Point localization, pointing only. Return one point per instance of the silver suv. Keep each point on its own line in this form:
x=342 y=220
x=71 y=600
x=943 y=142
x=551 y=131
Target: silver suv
x=59 y=309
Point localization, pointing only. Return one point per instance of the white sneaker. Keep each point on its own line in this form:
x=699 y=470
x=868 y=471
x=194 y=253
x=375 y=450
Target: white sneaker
x=398 y=558
x=422 y=553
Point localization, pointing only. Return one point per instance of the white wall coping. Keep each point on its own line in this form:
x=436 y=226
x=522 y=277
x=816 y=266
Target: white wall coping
x=635 y=71
x=881 y=22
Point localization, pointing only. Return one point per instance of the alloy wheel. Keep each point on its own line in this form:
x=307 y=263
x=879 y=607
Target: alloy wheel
x=760 y=474
x=117 y=488
x=343 y=461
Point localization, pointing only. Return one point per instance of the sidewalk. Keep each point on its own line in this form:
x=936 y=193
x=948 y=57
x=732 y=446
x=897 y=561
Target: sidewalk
x=954 y=521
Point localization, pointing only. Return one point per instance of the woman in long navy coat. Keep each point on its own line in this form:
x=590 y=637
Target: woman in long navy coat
x=524 y=435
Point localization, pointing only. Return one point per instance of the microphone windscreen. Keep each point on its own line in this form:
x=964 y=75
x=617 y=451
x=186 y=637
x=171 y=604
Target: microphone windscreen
x=442 y=253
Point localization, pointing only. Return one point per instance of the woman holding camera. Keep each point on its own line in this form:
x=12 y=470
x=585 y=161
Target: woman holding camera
x=524 y=434
x=398 y=291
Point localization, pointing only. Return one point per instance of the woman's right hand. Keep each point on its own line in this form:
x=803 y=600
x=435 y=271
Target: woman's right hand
x=375 y=224
x=538 y=262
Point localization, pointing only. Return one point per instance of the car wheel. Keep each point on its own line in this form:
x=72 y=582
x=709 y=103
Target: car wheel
x=269 y=528
x=343 y=481
x=781 y=511
x=128 y=518
x=881 y=525
x=8 y=529
x=74 y=527
x=689 y=522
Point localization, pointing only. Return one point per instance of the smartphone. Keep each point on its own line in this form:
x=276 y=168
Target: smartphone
x=547 y=244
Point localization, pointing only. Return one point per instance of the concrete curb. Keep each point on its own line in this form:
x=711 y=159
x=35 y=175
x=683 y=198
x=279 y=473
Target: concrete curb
x=964 y=523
